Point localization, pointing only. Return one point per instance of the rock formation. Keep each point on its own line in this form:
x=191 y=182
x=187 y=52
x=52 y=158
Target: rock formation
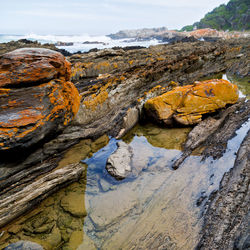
x=24 y=43
x=212 y=134
x=187 y=104
x=226 y=224
x=106 y=103
x=36 y=97
x=119 y=163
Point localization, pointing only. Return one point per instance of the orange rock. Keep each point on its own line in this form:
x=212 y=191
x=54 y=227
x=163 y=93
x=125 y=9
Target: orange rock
x=31 y=112
x=31 y=65
x=187 y=104
x=204 y=32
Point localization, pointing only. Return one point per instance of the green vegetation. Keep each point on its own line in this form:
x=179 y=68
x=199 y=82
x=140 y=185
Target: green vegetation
x=233 y=16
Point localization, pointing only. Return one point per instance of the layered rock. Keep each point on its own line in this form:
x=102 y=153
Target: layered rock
x=187 y=104
x=226 y=221
x=36 y=97
x=107 y=100
x=210 y=137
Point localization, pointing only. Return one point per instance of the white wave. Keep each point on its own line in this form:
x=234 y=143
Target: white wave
x=78 y=41
x=112 y=43
x=56 y=38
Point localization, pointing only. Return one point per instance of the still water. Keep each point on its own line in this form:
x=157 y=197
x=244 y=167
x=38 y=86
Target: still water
x=154 y=208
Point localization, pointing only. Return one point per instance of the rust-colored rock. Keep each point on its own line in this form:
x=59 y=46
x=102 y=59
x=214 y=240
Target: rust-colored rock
x=205 y=33
x=30 y=113
x=187 y=104
x=32 y=65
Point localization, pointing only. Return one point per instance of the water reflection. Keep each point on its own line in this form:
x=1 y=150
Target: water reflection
x=155 y=207
x=159 y=207
x=57 y=223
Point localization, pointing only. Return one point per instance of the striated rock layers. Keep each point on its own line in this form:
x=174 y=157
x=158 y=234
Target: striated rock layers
x=108 y=105
x=37 y=98
x=187 y=104
x=226 y=220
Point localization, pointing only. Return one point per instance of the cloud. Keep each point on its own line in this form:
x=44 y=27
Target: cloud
x=100 y=16
x=68 y=15
x=172 y=4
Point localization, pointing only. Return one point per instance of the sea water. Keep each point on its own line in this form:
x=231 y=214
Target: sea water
x=99 y=42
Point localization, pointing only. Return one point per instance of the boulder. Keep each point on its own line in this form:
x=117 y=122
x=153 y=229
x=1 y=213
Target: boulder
x=119 y=163
x=187 y=104
x=32 y=65
x=29 y=113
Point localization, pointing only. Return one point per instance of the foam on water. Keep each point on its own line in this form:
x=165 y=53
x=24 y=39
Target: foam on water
x=102 y=42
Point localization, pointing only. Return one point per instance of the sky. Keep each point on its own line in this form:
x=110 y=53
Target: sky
x=98 y=17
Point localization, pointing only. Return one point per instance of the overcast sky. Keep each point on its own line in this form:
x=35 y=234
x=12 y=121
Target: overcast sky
x=98 y=17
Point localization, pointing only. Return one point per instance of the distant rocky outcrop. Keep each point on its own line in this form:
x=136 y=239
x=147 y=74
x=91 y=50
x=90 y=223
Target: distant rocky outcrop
x=186 y=105
x=37 y=98
x=174 y=36
x=233 y=16
x=138 y=33
x=24 y=43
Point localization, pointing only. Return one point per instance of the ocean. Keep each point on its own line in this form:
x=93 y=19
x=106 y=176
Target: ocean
x=81 y=43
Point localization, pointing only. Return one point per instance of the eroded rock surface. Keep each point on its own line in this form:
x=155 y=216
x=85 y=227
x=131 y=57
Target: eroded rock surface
x=187 y=104
x=24 y=66
x=227 y=216
x=212 y=134
x=29 y=113
x=119 y=163
x=24 y=43
x=11 y=206
x=105 y=99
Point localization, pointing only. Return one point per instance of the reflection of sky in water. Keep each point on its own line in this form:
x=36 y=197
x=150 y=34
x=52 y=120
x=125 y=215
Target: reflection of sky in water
x=155 y=197
x=145 y=156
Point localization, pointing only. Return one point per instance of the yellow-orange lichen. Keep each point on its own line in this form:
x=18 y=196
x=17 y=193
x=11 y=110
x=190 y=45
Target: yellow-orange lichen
x=188 y=103
x=235 y=49
x=101 y=92
x=94 y=100
x=32 y=65
x=63 y=97
x=131 y=62
x=4 y=92
x=102 y=65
